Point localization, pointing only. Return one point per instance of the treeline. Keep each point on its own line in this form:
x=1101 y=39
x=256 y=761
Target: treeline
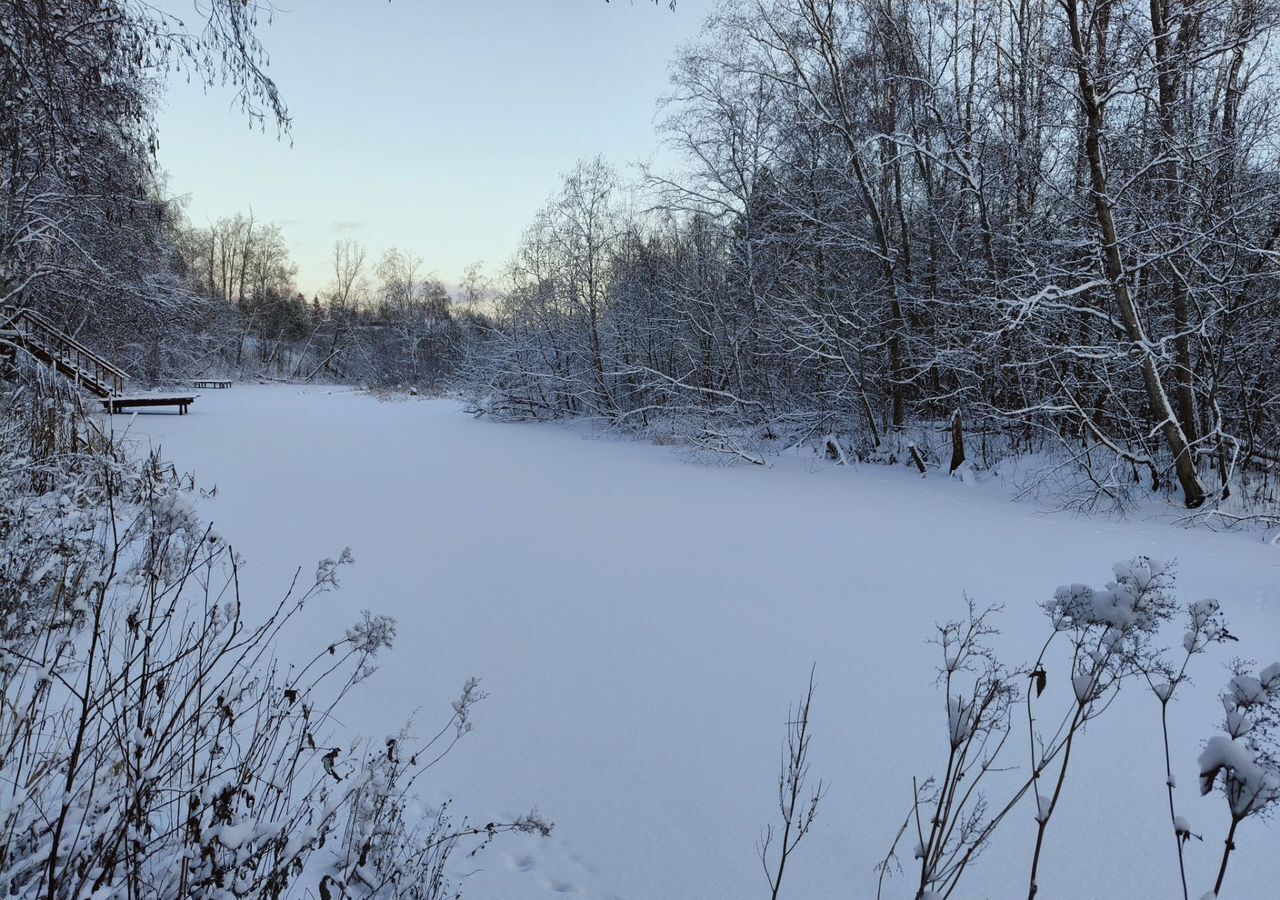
x=382 y=323
x=1053 y=225
x=1046 y=229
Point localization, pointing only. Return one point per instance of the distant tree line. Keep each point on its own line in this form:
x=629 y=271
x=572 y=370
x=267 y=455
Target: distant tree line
x=382 y=323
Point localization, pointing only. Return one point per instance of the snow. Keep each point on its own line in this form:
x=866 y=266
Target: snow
x=1252 y=784
x=1270 y=677
x=1245 y=691
x=1044 y=808
x=959 y=718
x=233 y=837
x=1133 y=601
x=155 y=395
x=1085 y=686
x=642 y=624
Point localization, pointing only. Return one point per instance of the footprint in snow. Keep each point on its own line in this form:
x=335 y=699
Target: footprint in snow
x=559 y=869
x=584 y=862
x=523 y=863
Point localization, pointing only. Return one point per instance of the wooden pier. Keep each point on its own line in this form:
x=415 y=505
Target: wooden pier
x=26 y=330
x=114 y=405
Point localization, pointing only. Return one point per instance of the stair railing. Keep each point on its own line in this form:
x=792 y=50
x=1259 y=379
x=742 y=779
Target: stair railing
x=85 y=366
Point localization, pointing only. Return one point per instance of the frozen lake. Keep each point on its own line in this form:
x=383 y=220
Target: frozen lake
x=643 y=623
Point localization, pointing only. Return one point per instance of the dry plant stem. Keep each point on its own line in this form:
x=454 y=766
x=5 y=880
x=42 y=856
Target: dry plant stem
x=1043 y=819
x=1082 y=713
x=889 y=857
x=1037 y=767
x=1203 y=631
x=1229 y=845
x=1168 y=769
x=797 y=818
x=82 y=728
x=958 y=825
x=143 y=716
x=953 y=837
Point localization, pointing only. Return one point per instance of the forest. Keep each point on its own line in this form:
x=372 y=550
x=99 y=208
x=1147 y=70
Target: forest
x=1053 y=222
x=1045 y=229
x=1030 y=244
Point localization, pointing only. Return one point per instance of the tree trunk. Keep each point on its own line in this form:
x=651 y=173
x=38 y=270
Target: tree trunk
x=1177 y=271
x=1161 y=409
x=957 y=442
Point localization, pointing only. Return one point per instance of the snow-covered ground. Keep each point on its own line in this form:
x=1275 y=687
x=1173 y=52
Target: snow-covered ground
x=642 y=624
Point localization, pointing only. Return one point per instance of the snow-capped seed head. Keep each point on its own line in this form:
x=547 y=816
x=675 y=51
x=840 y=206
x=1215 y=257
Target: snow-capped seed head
x=1250 y=782
x=960 y=719
x=1238 y=724
x=372 y=633
x=1244 y=691
x=1202 y=611
x=1085 y=686
x=1138 y=600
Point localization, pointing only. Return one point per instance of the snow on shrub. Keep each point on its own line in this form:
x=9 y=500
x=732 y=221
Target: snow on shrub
x=1101 y=639
x=1245 y=761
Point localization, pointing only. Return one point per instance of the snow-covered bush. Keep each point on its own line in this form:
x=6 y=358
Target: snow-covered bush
x=1100 y=639
x=150 y=744
x=55 y=472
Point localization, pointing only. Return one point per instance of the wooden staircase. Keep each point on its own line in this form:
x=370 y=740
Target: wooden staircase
x=27 y=330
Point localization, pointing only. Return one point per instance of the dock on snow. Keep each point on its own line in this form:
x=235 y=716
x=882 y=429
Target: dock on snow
x=27 y=330
x=120 y=404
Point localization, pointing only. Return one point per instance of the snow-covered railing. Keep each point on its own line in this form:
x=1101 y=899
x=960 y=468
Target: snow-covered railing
x=40 y=337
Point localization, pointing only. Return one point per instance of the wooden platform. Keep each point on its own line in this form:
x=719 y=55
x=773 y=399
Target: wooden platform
x=120 y=404
x=211 y=383
x=27 y=330
x=24 y=329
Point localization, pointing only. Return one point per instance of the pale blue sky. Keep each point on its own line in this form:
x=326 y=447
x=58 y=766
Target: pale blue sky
x=435 y=125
